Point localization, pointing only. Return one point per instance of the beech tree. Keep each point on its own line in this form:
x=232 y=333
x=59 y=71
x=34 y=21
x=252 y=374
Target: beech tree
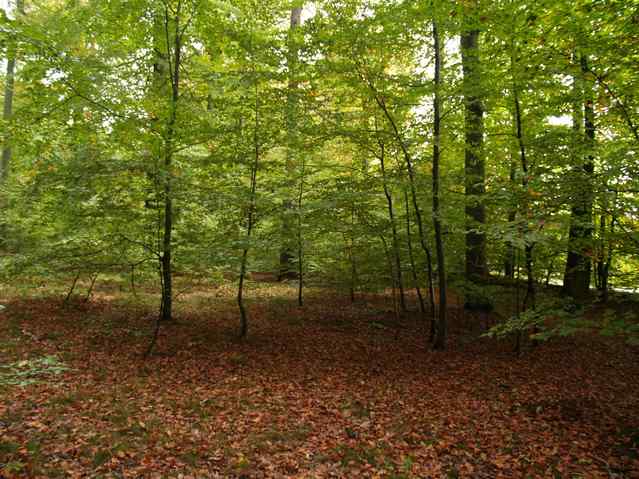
x=474 y=168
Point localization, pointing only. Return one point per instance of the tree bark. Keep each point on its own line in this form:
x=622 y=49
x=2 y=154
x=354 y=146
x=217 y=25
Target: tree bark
x=474 y=164
x=529 y=299
x=606 y=248
x=175 y=59
x=287 y=251
x=413 y=268
x=578 y=262
x=391 y=217
x=509 y=260
x=250 y=220
x=442 y=326
x=9 y=89
x=413 y=191
x=300 y=239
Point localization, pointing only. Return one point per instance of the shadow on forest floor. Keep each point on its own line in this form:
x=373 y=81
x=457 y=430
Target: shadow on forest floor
x=332 y=389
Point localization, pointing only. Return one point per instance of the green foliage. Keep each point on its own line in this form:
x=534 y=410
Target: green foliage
x=90 y=133
x=560 y=318
x=624 y=325
x=549 y=319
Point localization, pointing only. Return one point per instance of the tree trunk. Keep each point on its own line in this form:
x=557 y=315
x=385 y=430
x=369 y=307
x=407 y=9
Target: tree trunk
x=413 y=191
x=7 y=111
x=389 y=262
x=175 y=59
x=474 y=166
x=578 y=261
x=605 y=255
x=287 y=251
x=391 y=217
x=509 y=261
x=442 y=326
x=411 y=257
x=529 y=299
x=300 y=243
x=250 y=217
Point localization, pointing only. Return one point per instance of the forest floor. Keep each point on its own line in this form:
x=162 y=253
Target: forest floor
x=332 y=389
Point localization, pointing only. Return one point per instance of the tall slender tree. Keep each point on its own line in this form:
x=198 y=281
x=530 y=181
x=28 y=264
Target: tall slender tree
x=250 y=216
x=442 y=326
x=287 y=251
x=391 y=217
x=529 y=299
x=9 y=85
x=578 y=261
x=474 y=163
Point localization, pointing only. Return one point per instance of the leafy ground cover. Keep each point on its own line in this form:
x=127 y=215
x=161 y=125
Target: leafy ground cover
x=331 y=390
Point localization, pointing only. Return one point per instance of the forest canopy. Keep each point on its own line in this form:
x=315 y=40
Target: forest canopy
x=319 y=239
x=355 y=144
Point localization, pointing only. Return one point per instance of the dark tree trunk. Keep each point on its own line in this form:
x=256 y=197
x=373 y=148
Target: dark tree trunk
x=72 y=289
x=578 y=261
x=529 y=299
x=509 y=261
x=168 y=58
x=474 y=166
x=605 y=255
x=442 y=326
x=167 y=247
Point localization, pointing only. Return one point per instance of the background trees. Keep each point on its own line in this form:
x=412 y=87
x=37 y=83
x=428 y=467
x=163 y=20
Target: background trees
x=137 y=128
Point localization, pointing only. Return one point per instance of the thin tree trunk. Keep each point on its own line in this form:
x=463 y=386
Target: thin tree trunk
x=7 y=113
x=250 y=218
x=287 y=254
x=422 y=307
x=135 y=294
x=300 y=243
x=168 y=63
x=75 y=281
x=549 y=272
x=391 y=217
x=474 y=166
x=442 y=326
x=174 y=70
x=389 y=263
x=517 y=301
x=509 y=262
x=413 y=190
x=353 y=279
x=90 y=290
x=158 y=320
x=9 y=87
x=351 y=250
x=529 y=299
x=607 y=251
